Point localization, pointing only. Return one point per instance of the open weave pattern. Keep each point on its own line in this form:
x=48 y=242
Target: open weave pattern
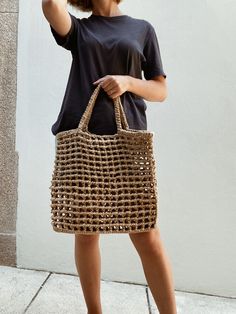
x=104 y=183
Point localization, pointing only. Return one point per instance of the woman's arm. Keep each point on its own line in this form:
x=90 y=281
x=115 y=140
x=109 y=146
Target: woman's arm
x=57 y=15
x=154 y=89
x=151 y=90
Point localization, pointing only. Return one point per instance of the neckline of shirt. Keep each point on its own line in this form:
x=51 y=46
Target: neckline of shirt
x=114 y=17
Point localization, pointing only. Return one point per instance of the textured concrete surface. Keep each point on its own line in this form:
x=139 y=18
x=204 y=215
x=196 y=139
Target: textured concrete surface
x=194 y=303
x=18 y=287
x=36 y=292
x=8 y=6
x=65 y=293
x=8 y=156
x=8 y=249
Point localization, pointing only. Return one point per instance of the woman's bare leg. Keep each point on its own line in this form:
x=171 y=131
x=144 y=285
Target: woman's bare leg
x=88 y=264
x=156 y=268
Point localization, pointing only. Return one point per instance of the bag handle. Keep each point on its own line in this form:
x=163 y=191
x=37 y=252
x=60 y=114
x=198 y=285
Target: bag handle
x=119 y=112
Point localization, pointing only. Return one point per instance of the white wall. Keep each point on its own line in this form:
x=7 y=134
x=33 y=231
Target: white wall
x=195 y=145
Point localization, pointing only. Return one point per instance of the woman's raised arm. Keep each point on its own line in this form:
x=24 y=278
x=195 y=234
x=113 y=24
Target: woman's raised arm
x=57 y=15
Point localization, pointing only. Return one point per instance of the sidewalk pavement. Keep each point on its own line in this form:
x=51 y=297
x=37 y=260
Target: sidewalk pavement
x=41 y=292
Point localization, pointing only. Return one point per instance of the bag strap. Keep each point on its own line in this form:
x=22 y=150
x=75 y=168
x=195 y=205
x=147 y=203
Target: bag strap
x=122 y=115
x=118 y=108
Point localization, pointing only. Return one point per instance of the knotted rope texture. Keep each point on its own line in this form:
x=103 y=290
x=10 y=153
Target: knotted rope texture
x=104 y=183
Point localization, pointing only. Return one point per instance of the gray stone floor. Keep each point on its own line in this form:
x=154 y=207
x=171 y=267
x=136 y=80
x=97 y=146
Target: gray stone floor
x=36 y=292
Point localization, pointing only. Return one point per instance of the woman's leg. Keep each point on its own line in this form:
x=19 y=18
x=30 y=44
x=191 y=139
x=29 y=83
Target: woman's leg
x=88 y=264
x=156 y=268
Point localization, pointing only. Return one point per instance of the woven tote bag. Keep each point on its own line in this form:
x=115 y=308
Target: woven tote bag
x=104 y=183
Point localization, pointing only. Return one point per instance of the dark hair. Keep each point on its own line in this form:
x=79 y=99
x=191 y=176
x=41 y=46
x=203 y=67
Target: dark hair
x=84 y=5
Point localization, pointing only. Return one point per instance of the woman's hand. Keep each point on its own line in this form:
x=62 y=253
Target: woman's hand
x=114 y=85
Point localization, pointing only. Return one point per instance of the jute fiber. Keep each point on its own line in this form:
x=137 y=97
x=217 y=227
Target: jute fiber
x=104 y=183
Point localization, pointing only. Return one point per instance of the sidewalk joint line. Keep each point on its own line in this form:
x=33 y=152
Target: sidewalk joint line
x=36 y=294
x=148 y=301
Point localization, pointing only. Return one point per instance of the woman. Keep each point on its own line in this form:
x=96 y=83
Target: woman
x=111 y=48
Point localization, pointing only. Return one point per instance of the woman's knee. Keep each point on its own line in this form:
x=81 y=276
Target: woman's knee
x=148 y=240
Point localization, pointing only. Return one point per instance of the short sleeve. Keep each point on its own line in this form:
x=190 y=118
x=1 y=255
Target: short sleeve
x=69 y=41
x=152 y=65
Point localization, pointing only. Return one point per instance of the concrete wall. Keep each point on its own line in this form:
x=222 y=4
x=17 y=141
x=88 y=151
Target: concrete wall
x=8 y=156
x=195 y=146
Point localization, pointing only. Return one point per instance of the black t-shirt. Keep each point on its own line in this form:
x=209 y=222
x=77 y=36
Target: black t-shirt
x=102 y=45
